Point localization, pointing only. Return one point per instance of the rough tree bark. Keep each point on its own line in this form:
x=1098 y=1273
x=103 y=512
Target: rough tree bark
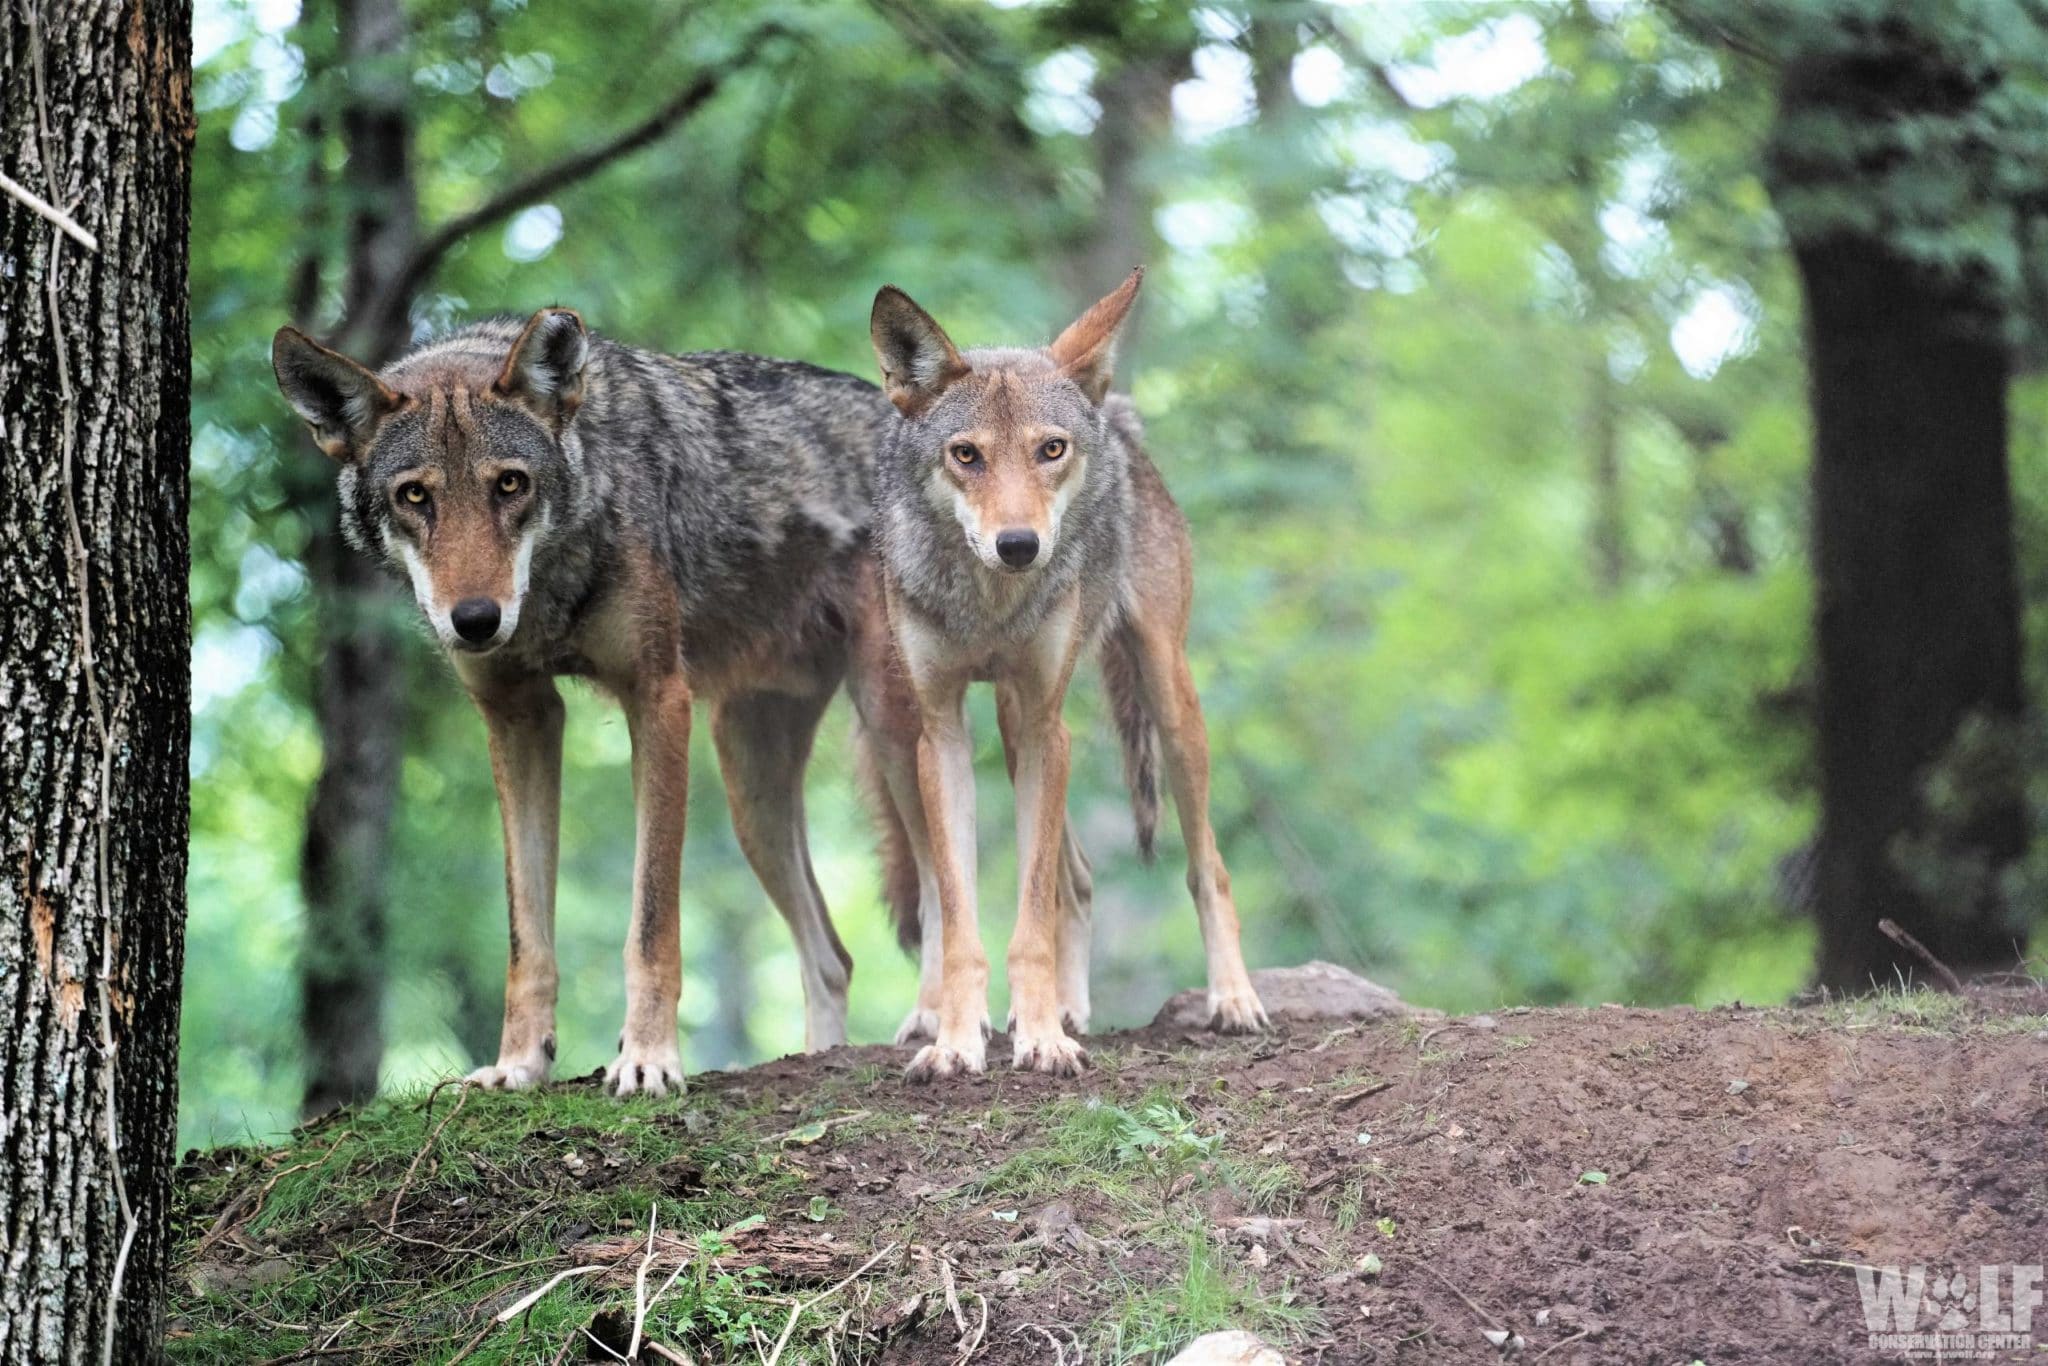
x=358 y=698
x=95 y=380
x=1918 y=612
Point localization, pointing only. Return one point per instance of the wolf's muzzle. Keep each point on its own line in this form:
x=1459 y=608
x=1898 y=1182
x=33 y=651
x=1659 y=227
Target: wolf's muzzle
x=475 y=620
x=1016 y=548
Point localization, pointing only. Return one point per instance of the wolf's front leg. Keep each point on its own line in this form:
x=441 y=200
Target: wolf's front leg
x=945 y=776
x=524 y=717
x=1039 y=1042
x=658 y=715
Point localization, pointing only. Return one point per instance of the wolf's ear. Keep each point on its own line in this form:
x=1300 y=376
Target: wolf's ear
x=918 y=358
x=341 y=401
x=1086 y=351
x=546 y=364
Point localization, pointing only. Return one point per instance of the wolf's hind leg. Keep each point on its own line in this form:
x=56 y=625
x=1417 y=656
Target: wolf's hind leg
x=1169 y=690
x=894 y=759
x=764 y=741
x=1077 y=928
x=524 y=717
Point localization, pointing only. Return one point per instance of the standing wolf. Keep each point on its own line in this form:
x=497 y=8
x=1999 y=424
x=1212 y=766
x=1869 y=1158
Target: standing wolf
x=1020 y=525
x=669 y=527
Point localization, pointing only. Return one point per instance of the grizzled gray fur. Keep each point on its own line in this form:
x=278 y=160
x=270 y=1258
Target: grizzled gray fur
x=933 y=565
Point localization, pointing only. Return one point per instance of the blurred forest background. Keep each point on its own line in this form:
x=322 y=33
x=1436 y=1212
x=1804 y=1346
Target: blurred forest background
x=1472 y=345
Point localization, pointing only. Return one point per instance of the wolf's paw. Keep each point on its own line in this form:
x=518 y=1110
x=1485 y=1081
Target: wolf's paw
x=918 y=1024
x=1237 y=1010
x=935 y=1061
x=645 y=1069
x=1054 y=1054
x=509 y=1074
x=1074 y=1019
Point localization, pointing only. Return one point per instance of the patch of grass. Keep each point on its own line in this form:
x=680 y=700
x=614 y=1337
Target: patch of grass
x=1348 y=1206
x=494 y=1188
x=1154 y=1321
x=1264 y=1187
x=1911 y=1009
x=1107 y=1147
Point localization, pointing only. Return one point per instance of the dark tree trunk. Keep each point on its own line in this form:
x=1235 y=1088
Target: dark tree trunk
x=1918 y=625
x=1918 y=613
x=95 y=383
x=358 y=699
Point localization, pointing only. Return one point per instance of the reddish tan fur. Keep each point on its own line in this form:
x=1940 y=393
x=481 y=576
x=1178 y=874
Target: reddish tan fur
x=1003 y=475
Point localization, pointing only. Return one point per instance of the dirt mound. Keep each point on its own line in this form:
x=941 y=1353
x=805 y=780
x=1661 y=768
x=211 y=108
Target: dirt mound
x=1577 y=1186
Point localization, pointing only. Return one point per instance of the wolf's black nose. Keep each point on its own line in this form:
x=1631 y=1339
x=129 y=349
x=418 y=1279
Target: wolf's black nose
x=1017 y=548
x=475 y=619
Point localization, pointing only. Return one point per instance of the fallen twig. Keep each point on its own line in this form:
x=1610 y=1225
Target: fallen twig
x=952 y=1295
x=1892 y=930
x=1353 y=1097
x=799 y=1309
x=641 y=1302
x=980 y=1331
x=533 y=1297
x=1582 y=1333
x=391 y=1224
x=1469 y=1302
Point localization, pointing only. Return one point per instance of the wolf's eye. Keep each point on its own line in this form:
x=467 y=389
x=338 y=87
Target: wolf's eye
x=511 y=483
x=964 y=453
x=414 y=494
x=1053 y=449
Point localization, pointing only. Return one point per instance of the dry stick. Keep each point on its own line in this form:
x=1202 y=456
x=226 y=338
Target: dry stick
x=640 y=1283
x=1582 y=1333
x=798 y=1310
x=1892 y=930
x=952 y=1295
x=533 y=1297
x=391 y=1224
x=1471 y=1304
x=1059 y=1349
x=980 y=1331
x=600 y=1344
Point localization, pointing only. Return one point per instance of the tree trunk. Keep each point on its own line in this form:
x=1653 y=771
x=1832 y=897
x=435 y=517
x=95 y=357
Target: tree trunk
x=95 y=386
x=359 y=700
x=1918 y=614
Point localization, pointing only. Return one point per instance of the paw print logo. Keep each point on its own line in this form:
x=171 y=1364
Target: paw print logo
x=1951 y=1301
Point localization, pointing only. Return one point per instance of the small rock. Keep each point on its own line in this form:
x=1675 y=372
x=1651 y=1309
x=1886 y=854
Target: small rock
x=219 y=1278
x=1228 y=1349
x=1313 y=991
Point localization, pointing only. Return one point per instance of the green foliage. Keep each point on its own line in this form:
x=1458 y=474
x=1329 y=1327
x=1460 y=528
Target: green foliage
x=1399 y=306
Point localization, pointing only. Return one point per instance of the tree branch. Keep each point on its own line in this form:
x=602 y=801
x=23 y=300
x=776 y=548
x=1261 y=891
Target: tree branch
x=1328 y=30
x=419 y=267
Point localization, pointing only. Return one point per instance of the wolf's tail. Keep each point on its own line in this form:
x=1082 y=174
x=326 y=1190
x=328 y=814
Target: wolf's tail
x=899 y=869
x=1137 y=732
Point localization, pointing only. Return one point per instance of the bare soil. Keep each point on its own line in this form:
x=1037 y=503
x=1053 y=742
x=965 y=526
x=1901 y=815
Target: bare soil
x=1606 y=1185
